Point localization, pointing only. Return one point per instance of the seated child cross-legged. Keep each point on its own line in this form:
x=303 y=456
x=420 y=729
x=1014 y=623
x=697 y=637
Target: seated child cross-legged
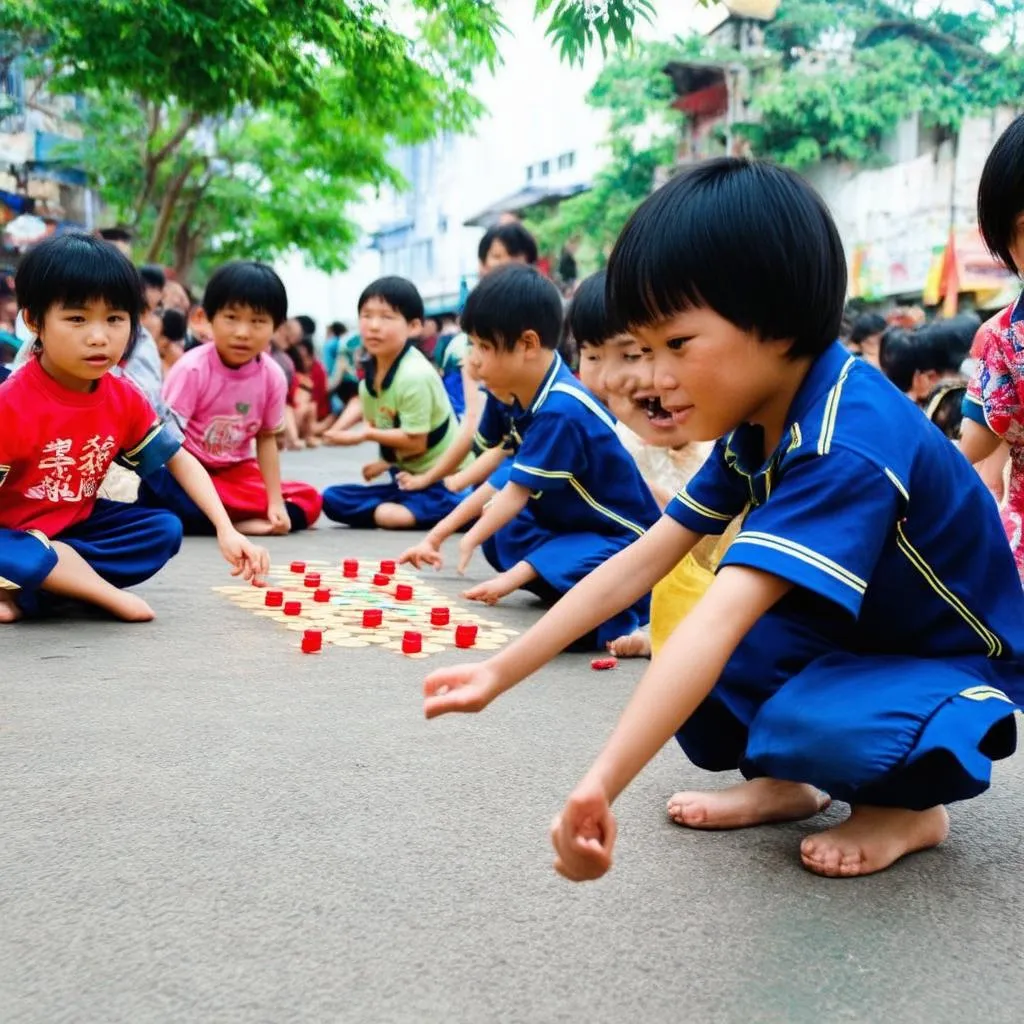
x=406 y=412
x=228 y=394
x=64 y=419
x=862 y=639
x=573 y=496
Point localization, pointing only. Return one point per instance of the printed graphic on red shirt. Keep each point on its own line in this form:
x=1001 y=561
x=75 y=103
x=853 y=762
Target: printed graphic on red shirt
x=70 y=474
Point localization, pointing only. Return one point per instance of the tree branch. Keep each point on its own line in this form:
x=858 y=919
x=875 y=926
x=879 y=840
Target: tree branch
x=163 y=224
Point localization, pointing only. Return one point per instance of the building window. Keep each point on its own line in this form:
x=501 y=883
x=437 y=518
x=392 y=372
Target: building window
x=529 y=173
x=566 y=160
x=545 y=168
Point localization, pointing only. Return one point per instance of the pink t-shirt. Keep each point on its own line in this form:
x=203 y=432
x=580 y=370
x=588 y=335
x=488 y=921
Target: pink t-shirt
x=221 y=410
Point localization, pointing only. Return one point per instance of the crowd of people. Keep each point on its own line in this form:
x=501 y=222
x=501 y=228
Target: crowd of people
x=741 y=483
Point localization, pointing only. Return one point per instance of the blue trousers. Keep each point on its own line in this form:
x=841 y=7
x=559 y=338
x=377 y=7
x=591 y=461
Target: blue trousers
x=125 y=544
x=354 y=504
x=887 y=730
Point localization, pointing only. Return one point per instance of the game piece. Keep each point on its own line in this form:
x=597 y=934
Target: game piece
x=350 y=568
x=312 y=641
x=601 y=664
x=412 y=643
x=388 y=567
x=403 y=592
x=311 y=580
x=372 y=618
x=293 y=607
x=274 y=598
x=298 y=566
x=439 y=616
x=465 y=636
x=380 y=580
x=321 y=595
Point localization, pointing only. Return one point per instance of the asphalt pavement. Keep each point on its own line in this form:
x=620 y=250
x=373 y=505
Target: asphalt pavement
x=201 y=824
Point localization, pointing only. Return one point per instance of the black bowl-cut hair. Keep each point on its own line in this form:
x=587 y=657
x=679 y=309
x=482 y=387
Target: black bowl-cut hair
x=247 y=283
x=175 y=325
x=153 y=276
x=514 y=237
x=866 y=325
x=751 y=241
x=399 y=293
x=587 y=316
x=510 y=301
x=73 y=269
x=337 y=328
x=1001 y=193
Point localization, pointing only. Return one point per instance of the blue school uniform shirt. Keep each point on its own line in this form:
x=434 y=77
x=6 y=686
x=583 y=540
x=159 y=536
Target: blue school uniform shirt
x=866 y=503
x=566 y=452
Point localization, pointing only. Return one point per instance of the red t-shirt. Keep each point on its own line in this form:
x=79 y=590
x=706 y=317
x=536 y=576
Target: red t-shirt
x=56 y=446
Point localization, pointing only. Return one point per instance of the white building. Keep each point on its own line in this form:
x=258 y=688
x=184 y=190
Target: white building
x=539 y=137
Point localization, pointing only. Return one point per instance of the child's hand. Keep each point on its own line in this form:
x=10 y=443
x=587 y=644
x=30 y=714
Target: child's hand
x=412 y=481
x=424 y=553
x=280 y=521
x=583 y=835
x=372 y=470
x=466 y=549
x=466 y=688
x=247 y=560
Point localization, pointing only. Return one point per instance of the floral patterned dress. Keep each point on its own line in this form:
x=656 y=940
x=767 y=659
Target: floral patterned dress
x=995 y=399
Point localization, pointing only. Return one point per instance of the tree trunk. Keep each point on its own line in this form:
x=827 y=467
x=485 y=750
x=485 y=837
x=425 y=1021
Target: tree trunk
x=163 y=224
x=152 y=161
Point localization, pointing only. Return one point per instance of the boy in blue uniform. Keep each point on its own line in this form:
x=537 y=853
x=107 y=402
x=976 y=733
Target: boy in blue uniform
x=862 y=638
x=572 y=496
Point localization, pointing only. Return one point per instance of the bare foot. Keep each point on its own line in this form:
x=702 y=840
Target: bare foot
x=9 y=610
x=635 y=645
x=756 y=802
x=126 y=607
x=493 y=590
x=872 y=839
x=313 y=442
x=254 y=527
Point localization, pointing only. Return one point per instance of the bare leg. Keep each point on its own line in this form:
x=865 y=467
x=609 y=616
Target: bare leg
x=9 y=610
x=73 y=576
x=756 y=802
x=291 y=432
x=389 y=515
x=508 y=582
x=350 y=415
x=635 y=645
x=872 y=839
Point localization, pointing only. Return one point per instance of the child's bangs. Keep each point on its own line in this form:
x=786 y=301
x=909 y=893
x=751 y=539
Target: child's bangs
x=93 y=273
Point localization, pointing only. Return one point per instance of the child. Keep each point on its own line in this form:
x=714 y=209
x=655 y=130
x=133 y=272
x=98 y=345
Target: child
x=226 y=395
x=574 y=497
x=406 y=411
x=858 y=642
x=994 y=405
x=63 y=419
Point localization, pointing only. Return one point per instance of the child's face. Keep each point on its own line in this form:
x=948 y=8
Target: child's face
x=498 y=256
x=499 y=370
x=81 y=343
x=383 y=329
x=241 y=333
x=592 y=370
x=710 y=376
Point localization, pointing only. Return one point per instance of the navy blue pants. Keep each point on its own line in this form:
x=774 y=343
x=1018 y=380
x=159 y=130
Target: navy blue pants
x=125 y=544
x=887 y=730
x=354 y=504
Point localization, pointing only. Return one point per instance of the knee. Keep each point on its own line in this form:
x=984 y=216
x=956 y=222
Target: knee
x=390 y=516
x=168 y=534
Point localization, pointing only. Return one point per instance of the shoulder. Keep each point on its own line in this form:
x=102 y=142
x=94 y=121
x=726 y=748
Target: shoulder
x=271 y=371
x=414 y=369
x=194 y=363
x=569 y=399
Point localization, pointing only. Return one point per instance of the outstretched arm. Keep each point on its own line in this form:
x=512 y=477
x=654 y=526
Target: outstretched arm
x=428 y=551
x=509 y=502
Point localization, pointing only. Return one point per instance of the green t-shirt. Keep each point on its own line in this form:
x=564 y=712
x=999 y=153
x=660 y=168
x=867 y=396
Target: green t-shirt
x=412 y=398
x=454 y=355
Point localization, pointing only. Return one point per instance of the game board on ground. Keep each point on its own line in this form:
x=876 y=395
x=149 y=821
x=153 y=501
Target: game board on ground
x=364 y=603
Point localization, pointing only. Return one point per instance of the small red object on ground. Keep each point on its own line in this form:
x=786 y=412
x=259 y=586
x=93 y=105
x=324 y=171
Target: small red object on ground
x=312 y=580
x=298 y=566
x=380 y=580
x=465 y=636
x=350 y=568
x=372 y=618
x=322 y=595
x=293 y=607
x=388 y=567
x=600 y=664
x=312 y=641
x=412 y=643
x=439 y=616
x=403 y=592
x=273 y=598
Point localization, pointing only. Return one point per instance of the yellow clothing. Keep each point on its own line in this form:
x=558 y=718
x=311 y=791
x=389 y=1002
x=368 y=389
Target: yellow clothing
x=675 y=596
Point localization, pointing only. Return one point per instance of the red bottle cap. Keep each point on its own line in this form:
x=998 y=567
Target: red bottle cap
x=293 y=607
x=322 y=596
x=312 y=579
x=439 y=616
x=601 y=664
x=298 y=566
x=412 y=643
x=312 y=641
x=388 y=567
x=465 y=636
x=372 y=617
x=350 y=568
x=381 y=581
x=403 y=592
x=273 y=598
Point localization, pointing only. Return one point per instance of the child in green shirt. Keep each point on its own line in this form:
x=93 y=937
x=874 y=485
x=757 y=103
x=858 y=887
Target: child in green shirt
x=406 y=411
